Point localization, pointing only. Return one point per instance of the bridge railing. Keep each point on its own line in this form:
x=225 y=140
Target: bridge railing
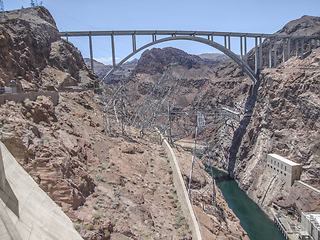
x=288 y=40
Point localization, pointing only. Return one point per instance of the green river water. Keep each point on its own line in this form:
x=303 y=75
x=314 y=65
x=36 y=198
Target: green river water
x=252 y=219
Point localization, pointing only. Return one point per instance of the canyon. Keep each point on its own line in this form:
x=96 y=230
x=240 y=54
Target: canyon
x=120 y=186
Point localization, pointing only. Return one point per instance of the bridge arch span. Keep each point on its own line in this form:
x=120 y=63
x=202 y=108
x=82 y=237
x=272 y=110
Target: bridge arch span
x=213 y=44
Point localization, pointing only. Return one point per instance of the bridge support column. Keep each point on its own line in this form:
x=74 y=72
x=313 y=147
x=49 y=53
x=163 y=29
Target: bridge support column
x=134 y=44
x=310 y=43
x=289 y=46
x=229 y=42
x=245 y=50
x=302 y=47
x=283 y=50
x=275 y=53
x=91 y=52
x=256 y=56
x=297 y=47
x=241 y=48
x=270 y=52
x=260 y=53
x=225 y=41
x=113 y=51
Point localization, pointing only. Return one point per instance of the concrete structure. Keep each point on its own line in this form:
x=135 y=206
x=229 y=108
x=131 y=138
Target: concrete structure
x=182 y=192
x=310 y=222
x=206 y=37
x=304 y=235
x=289 y=227
x=26 y=212
x=285 y=168
x=31 y=95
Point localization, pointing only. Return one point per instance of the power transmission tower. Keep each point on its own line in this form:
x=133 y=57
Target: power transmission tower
x=1 y=9
x=1 y=6
x=34 y=3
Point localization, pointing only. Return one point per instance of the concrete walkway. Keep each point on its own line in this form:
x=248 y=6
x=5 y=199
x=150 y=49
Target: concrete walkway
x=182 y=193
x=308 y=186
x=26 y=211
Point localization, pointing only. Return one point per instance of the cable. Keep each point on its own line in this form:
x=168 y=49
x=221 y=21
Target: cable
x=71 y=16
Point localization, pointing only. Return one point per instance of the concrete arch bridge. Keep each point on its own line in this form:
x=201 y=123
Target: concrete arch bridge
x=289 y=42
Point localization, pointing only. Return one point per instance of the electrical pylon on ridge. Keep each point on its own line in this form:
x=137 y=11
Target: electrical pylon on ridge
x=153 y=99
x=1 y=9
x=118 y=111
x=1 y=6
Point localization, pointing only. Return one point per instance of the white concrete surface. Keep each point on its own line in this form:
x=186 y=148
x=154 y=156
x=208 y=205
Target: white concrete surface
x=182 y=191
x=26 y=211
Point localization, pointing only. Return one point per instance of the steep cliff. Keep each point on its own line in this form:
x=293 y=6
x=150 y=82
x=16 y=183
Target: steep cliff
x=285 y=121
x=281 y=116
x=116 y=187
x=33 y=54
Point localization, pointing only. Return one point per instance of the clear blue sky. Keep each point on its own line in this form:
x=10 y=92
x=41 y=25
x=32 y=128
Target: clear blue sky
x=211 y=15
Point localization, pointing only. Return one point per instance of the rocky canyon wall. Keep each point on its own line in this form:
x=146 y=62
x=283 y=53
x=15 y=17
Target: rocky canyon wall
x=285 y=121
x=33 y=54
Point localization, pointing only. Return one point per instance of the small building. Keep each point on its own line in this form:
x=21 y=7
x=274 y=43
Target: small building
x=285 y=168
x=310 y=222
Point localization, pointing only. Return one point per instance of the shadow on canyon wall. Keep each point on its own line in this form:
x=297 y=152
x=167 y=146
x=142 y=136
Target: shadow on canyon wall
x=241 y=130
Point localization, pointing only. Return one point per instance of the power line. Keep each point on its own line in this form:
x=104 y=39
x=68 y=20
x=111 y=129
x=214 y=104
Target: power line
x=1 y=6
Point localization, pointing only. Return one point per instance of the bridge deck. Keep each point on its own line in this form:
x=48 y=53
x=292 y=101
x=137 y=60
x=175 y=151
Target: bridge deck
x=180 y=33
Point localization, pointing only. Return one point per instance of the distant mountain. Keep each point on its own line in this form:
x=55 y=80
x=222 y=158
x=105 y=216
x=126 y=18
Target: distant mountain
x=214 y=58
x=306 y=25
x=156 y=59
x=101 y=69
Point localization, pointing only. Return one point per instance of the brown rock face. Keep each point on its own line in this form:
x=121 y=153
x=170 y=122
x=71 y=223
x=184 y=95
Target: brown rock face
x=285 y=121
x=30 y=46
x=155 y=60
x=54 y=155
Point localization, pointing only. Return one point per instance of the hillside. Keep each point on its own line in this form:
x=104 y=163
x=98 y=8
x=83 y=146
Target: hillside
x=119 y=186
x=101 y=69
x=116 y=187
x=285 y=121
x=279 y=116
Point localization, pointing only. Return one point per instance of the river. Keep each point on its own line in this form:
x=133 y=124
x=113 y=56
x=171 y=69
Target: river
x=252 y=219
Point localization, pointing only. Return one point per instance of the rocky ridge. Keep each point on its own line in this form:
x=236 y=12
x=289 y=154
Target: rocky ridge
x=284 y=121
x=33 y=54
x=280 y=117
